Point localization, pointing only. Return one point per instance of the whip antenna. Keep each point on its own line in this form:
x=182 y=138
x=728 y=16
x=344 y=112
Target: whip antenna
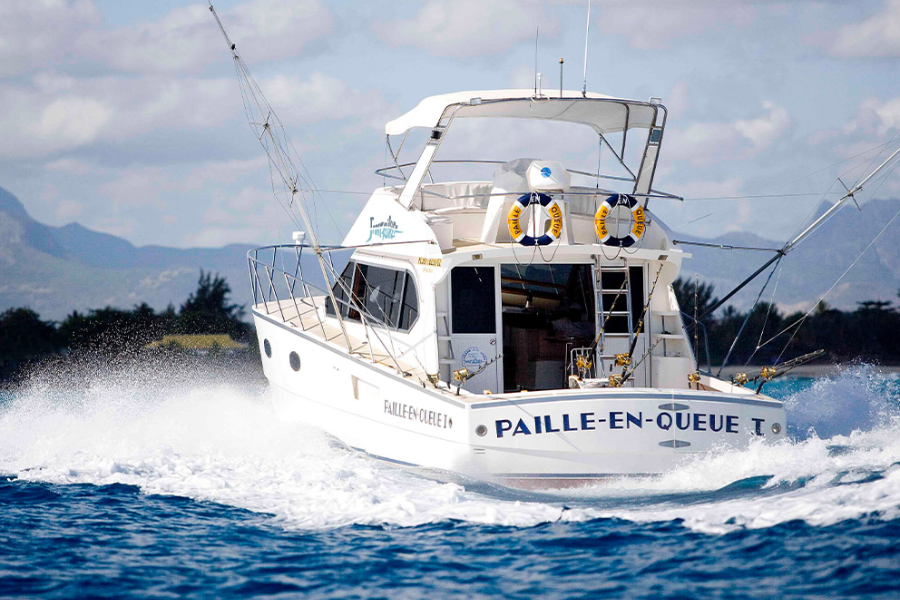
x=537 y=35
x=587 y=34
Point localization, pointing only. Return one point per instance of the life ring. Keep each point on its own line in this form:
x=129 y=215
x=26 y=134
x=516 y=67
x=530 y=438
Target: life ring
x=637 y=229
x=556 y=220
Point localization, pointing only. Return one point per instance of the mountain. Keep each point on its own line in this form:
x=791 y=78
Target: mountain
x=815 y=265
x=55 y=270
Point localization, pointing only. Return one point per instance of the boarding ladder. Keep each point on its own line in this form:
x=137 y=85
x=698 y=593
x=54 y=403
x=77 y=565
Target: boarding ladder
x=610 y=281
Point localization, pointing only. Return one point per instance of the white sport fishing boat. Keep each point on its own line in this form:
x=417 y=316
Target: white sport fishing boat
x=521 y=329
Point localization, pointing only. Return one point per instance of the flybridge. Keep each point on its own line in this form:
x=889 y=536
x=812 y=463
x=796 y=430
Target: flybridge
x=606 y=115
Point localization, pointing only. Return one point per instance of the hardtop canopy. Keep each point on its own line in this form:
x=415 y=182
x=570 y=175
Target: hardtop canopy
x=604 y=114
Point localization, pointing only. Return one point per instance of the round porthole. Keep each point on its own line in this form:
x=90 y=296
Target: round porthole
x=481 y=430
x=268 y=348
x=776 y=428
x=295 y=361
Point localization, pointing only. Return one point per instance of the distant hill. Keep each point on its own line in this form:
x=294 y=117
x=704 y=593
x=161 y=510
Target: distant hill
x=815 y=265
x=55 y=270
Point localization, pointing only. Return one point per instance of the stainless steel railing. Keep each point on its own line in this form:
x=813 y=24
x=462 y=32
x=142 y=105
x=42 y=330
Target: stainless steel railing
x=276 y=277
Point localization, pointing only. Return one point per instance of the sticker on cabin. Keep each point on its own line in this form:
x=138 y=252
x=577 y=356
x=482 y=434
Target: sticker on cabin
x=473 y=358
x=383 y=230
x=429 y=262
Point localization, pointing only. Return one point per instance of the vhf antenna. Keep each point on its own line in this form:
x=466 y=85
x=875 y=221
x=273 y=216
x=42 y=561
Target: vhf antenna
x=537 y=35
x=587 y=33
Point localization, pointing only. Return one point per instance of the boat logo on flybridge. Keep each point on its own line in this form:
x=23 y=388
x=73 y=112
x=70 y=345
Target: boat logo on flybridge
x=385 y=230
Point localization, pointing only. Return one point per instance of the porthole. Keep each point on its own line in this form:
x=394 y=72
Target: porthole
x=268 y=348
x=776 y=428
x=481 y=430
x=295 y=361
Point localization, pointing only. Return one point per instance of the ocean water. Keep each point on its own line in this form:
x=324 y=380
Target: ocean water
x=147 y=483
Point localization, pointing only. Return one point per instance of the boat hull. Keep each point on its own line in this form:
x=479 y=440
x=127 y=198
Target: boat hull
x=530 y=440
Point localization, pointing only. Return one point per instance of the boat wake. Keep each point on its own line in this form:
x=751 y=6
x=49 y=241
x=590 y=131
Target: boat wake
x=201 y=436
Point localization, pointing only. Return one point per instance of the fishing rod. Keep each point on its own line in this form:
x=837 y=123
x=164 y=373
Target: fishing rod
x=767 y=374
x=780 y=253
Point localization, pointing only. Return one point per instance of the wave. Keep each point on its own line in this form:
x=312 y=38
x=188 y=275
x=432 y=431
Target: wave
x=203 y=435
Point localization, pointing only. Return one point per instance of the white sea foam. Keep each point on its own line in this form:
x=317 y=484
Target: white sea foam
x=221 y=442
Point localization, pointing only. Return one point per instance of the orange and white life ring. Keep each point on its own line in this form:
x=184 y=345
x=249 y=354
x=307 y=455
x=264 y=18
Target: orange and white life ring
x=638 y=226
x=515 y=214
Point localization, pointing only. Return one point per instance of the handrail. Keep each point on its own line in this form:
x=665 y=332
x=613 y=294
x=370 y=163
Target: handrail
x=384 y=171
x=266 y=290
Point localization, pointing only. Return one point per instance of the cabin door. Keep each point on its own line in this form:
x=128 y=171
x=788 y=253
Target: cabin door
x=473 y=322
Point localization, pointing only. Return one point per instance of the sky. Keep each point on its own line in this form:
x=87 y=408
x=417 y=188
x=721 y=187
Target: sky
x=127 y=118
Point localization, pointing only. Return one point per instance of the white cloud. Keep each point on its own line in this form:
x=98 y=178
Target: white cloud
x=35 y=32
x=321 y=97
x=66 y=210
x=875 y=37
x=652 y=24
x=60 y=114
x=73 y=121
x=763 y=131
x=467 y=28
x=703 y=144
x=188 y=38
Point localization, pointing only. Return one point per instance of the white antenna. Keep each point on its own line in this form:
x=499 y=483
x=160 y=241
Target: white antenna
x=536 y=36
x=587 y=33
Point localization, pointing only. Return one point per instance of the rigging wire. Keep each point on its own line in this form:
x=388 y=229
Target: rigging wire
x=771 y=303
x=799 y=322
x=749 y=313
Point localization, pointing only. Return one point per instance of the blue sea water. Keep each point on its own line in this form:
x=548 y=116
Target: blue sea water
x=161 y=485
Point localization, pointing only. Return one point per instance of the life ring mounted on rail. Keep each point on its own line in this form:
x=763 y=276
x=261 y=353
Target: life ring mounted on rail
x=547 y=203
x=638 y=215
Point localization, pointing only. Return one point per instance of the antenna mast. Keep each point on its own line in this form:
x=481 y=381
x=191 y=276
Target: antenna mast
x=537 y=35
x=587 y=33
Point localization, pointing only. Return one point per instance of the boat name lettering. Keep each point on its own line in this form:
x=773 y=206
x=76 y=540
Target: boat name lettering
x=616 y=419
x=385 y=230
x=411 y=413
x=429 y=262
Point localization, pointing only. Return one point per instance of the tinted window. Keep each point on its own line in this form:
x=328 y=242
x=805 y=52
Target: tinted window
x=387 y=295
x=383 y=292
x=472 y=291
x=340 y=291
x=410 y=311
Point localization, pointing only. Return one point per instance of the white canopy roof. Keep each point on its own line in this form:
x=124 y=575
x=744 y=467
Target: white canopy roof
x=604 y=113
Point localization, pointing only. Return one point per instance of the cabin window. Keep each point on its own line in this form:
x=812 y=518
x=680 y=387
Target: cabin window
x=472 y=290
x=387 y=295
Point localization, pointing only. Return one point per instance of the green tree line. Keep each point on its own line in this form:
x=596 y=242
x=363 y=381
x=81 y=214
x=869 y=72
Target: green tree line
x=870 y=333
x=25 y=337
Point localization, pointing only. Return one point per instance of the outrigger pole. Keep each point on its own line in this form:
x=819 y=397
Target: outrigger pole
x=278 y=156
x=851 y=193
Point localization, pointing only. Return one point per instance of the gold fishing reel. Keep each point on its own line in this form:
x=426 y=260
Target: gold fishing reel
x=694 y=377
x=768 y=373
x=583 y=363
x=623 y=359
x=740 y=379
x=616 y=381
x=461 y=375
